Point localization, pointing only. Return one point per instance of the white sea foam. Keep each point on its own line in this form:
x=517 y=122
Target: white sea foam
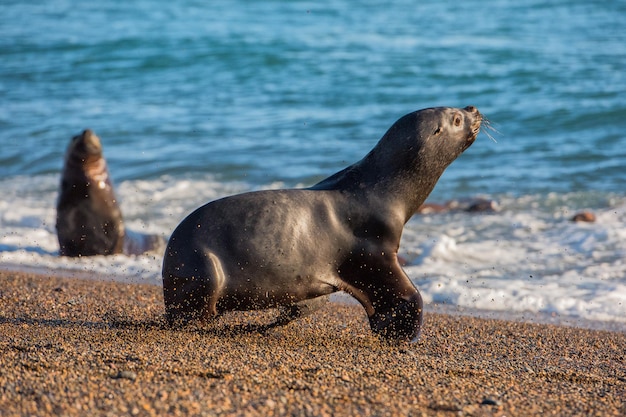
x=530 y=260
x=526 y=258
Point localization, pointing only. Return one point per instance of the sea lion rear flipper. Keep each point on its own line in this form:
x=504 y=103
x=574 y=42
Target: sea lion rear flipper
x=299 y=309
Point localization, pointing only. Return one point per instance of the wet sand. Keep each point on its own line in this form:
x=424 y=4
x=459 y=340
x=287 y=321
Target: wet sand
x=86 y=347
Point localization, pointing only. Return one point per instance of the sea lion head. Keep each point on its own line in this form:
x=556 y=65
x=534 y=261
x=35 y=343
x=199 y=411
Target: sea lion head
x=85 y=152
x=84 y=155
x=438 y=133
x=448 y=128
x=85 y=146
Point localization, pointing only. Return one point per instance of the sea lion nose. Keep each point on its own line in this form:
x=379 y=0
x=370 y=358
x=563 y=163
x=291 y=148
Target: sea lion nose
x=92 y=141
x=471 y=109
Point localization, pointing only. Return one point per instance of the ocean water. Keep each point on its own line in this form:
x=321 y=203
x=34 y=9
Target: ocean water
x=195 y=100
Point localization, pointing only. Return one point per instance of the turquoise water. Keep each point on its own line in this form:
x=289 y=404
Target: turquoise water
x=263 y=91
x=195 y=100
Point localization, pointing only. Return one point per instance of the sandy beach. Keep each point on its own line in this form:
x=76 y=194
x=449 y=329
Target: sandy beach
x=88 y=347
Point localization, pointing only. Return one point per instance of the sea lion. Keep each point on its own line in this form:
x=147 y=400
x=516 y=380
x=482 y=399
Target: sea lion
x=291 y=248
x=89 y=221
x=472 y=205
x=584 y=216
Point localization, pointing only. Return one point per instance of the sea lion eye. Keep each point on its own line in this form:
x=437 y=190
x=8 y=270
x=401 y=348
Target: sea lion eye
x=438 y=130
x=457 y=120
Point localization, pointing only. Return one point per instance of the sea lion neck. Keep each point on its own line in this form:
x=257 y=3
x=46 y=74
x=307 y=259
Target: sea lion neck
x=402 y=182
x=399 y=172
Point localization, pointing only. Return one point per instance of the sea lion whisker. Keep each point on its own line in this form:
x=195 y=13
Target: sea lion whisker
x=486 y=126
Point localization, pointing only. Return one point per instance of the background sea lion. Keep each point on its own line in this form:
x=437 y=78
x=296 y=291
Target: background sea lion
x=471 y=205
x=584 y=216
x=89 y=221
x=291 y=248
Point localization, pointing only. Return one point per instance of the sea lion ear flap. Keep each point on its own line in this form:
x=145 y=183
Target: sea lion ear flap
x=457 y=119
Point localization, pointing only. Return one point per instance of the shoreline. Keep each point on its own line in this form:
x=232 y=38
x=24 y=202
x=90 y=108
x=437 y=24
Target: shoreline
x=78 y=347
x=344 y=298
